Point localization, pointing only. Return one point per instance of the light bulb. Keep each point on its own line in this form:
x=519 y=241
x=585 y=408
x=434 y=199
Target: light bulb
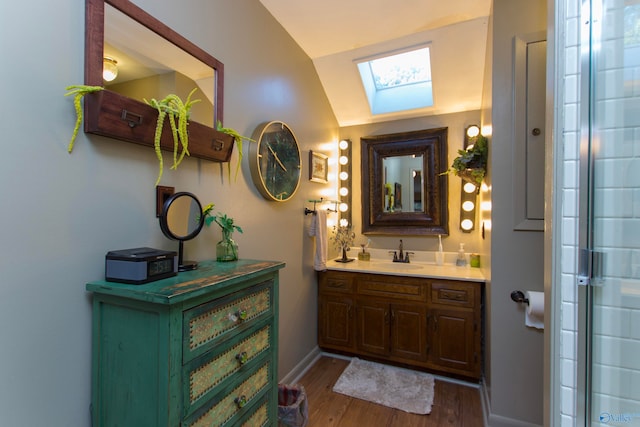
x=344 y=191
x=473 y=131
x=468 y=206
x=467 y=224
x=344 y=207
x=344 y=176
x=344 y=222
x=344 y=160
x=109 y=69
x=469 y=188
x=343 y=145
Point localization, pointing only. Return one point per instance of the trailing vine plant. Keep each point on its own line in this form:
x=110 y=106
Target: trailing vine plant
x=78 y=92
x=172 y=106
x=238 y=139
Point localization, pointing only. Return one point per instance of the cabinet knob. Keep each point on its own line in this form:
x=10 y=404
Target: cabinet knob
x=242 y=357
x=535 y=131
x=240 y=401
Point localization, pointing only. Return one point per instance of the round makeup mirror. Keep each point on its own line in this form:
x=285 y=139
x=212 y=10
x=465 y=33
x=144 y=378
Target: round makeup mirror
x=181 y=219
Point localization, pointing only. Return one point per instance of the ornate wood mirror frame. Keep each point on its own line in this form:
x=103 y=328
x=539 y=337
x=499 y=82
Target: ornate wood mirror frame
x=431 y=215
x=114 y=115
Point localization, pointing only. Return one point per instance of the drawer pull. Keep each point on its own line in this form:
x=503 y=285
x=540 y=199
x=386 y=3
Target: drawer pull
x=238 y=315
x=240 y=401
x=242 y=357
x=453 y=296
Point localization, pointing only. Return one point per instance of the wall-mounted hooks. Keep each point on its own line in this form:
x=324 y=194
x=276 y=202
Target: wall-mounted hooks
x=308 y=211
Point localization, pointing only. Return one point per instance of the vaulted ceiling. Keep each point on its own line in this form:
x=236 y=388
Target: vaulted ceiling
x=335 y=33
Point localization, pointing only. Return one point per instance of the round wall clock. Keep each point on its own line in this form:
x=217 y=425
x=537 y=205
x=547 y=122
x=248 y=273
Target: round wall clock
x=275 y=161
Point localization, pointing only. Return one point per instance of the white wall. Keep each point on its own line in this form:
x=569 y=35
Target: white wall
x=62 y=212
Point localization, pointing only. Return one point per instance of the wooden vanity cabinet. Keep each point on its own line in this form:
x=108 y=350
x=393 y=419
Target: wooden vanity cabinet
x=427 y=323
x=335 y=312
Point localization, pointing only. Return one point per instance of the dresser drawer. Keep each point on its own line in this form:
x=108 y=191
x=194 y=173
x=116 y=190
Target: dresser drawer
x=335 y=282
x=460 y=294
x=203 y=376
x=237 y=403
x=258 y=416
x=207 y=324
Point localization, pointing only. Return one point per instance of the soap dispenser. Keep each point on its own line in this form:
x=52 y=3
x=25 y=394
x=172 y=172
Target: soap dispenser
x=461 y=260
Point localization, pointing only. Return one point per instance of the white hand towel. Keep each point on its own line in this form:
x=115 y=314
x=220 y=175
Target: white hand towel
x=318 y=228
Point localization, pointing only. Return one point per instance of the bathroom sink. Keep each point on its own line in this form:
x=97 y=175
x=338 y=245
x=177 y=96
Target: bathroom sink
x=396 y=265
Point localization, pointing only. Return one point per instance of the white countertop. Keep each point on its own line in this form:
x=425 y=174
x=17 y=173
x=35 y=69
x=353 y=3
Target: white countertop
x=413 y=269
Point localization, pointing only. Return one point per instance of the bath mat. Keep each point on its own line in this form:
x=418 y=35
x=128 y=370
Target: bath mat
x=404 y=389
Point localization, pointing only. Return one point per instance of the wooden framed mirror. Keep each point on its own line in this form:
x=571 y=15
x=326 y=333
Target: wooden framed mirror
x=153 y=61
x=409 y=163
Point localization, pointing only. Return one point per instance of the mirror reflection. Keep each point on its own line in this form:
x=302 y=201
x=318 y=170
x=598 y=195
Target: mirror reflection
x=181 y=220
x=403 y=191
x=149 y=66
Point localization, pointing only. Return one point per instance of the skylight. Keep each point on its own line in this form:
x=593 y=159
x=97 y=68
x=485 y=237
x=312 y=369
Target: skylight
x=398 y=82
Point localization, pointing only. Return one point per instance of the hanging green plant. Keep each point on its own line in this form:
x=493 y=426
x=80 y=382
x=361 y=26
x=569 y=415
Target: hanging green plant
x=172 y=106
x=238 y=139
x=471 y=164
x=78 y=92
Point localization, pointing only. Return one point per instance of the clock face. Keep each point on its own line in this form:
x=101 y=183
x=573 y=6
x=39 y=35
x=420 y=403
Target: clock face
x=275 y=161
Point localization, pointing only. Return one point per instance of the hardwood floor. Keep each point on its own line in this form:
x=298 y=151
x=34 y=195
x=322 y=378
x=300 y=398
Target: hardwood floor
x=454 y=404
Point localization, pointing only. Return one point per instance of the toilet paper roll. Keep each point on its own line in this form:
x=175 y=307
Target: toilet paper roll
x=534 y=316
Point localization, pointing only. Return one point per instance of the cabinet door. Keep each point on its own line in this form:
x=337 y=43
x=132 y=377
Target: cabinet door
x=335 y=322
x=408 y=331
x=453 y=341
x=373 y=327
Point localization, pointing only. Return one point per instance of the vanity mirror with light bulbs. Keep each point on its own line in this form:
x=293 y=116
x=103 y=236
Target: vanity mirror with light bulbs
x=150 y=61
x=403 y=190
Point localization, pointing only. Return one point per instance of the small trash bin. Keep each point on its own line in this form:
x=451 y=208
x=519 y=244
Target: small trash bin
x=293 y=408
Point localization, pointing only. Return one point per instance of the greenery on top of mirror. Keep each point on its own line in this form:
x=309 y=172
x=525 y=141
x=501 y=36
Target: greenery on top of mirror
x=173 y=107
x=238 y=139
x=78 y=92
x=471 y=164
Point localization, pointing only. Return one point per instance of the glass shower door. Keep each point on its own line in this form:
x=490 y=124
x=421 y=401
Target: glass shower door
x=609 y=303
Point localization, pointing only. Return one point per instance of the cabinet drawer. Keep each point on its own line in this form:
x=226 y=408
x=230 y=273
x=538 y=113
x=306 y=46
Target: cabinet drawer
x=335 y=282
x=259 y=416
x=460 y=294
x=236 y=403
x=208 y=323
x=393 y=287
x=209 y=371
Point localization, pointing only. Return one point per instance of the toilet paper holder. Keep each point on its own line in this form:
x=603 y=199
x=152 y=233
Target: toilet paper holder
x=518 y=296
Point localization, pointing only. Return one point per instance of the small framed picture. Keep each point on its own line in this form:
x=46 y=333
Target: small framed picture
x=318 y=167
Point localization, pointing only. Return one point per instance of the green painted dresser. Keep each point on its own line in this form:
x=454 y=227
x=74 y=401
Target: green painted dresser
x=197 y=349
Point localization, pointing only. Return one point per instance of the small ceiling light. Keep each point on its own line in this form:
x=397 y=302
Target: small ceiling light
x=109 y=69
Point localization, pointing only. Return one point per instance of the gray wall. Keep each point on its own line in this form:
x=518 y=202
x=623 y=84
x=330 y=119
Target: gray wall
x=62 y=212
x=515 y=375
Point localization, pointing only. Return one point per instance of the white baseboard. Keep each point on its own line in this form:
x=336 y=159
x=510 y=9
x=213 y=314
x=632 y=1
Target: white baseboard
x=301 y=368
